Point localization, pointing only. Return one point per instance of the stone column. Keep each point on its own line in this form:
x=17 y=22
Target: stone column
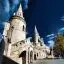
x=9 y=50
x=26 y=56
x=29 y=56
x=33 y=56
x=6 y=45
x=20 y=60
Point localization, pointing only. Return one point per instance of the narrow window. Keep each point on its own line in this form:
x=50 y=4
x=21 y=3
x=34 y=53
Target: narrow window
x=9 y=40
x=16 y=45
x=23 y=28
x=37 y=54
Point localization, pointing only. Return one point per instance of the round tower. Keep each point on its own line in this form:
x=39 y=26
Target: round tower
x=17 y=31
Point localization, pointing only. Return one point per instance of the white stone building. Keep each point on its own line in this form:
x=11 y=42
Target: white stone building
x=19 y=48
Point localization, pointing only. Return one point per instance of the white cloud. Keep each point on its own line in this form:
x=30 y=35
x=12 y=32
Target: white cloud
x=62 y=18
x=50 y=35
x=61 y=29
x=51 y=43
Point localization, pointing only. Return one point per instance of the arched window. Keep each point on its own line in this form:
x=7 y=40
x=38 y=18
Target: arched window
x=12 y=27
x=23 y=28
x=16 y=45
x=9 y=40
x=37 y=54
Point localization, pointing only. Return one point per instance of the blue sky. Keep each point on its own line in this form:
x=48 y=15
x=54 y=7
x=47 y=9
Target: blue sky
x=7 y=8
x=47 y=15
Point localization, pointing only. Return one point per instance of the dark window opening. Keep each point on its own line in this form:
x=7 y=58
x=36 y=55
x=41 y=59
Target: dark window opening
x=37 y=54
x=9 y=40
x=16 y=44
x=20 y=43
x=23 y=28
x=12 y=27
x=23 y=41
x=38 y=40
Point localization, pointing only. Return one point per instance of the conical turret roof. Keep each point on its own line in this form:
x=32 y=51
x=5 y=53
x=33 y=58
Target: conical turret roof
x=19 y=11
x=36 y=32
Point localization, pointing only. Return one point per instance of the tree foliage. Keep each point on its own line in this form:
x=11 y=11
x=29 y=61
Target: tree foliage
x=59 y=46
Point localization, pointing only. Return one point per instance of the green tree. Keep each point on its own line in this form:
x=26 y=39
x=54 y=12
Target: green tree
x=59 y=46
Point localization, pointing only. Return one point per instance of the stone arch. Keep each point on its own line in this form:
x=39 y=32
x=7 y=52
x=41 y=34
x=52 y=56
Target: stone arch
x=23 y=56
x=35 y=56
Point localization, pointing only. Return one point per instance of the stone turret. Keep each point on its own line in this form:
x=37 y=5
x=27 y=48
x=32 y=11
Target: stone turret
x=18 y=26
x=36 y=36
x=14 y=31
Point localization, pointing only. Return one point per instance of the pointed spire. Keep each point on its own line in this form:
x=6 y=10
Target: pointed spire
x=36 y=35
x=36 y=32
x=19 y=11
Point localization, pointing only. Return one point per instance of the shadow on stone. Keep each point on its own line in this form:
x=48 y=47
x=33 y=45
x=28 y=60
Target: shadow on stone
x=7 y=60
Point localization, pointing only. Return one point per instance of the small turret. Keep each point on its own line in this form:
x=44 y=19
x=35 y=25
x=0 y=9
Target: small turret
x=36 y=35
x=36 y=32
